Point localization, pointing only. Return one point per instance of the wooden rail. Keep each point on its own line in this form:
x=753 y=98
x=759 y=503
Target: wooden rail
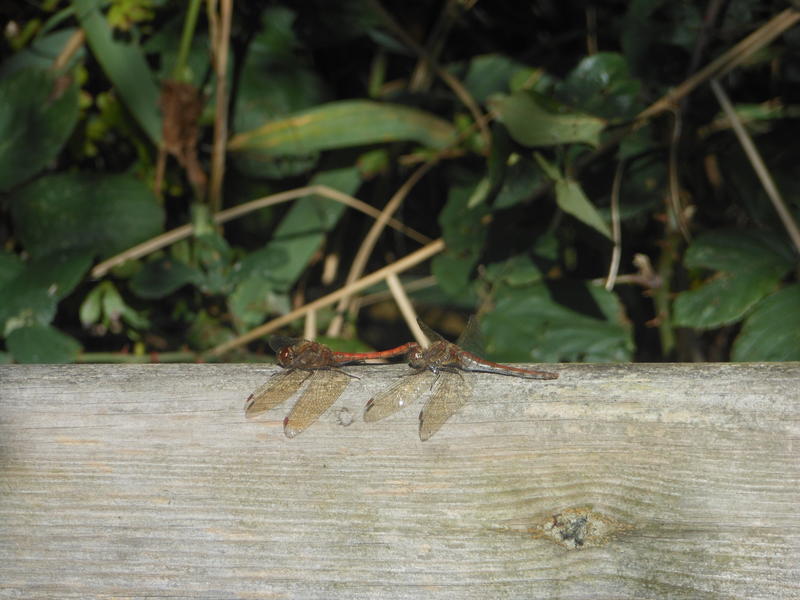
x=614 y=481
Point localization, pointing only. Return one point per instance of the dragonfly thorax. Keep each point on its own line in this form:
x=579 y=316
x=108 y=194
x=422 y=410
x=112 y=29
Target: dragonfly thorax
x=306 y=355
x=438 y=354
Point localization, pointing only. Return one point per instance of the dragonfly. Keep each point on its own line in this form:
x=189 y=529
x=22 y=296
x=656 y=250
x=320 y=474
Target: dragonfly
x=305 y=361
x=439 y=368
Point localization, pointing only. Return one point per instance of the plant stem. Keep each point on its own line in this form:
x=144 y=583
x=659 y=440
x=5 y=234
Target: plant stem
x=189 y=25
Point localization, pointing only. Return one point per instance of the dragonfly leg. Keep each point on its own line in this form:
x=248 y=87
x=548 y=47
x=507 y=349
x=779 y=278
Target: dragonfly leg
x=343 y=372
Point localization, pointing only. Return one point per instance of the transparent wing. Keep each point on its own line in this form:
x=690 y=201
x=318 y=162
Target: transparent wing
x=404 y=392
x=432 y=335
x=276 y=390
x=471 y=339
x=279 y=342
x=450 y=392
x=324 y=387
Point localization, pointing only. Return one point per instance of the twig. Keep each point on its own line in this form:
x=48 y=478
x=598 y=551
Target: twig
x=73 y=44
x=616 y=233
x=733 y=57
x=310 y=325
x=420 y=79
x=591 y=30
x=729 y=60
x=184 y=231
x=758 y=164
x=220 y=45
x=405 y=306
x=674 y=184
x=458 y=89
x=397 y=267
x=365 y=250
x=421 y=283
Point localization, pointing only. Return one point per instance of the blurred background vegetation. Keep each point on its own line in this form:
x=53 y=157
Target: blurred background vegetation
x=612 y=181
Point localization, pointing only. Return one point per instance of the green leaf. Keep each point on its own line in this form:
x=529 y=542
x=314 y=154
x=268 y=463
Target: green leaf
x=36 y=118
x=519 y=270
x=465 y=234
x=733 y=250
x=373 y=162
x=601 y=85
x=32 y=294
x=723 y=300
x=462 y=225
x=254 y=298
x=522 y=178
x=10 y=267
x=750 y=268
x=91 y=307
x=528 y=324
x=125 y=65
x=344 y=124
x=42 y=344
x=292 y=85
x=105 y=305
x=650 y=26
x=114 y=309
x=303 y=229
x=101 y=214
x=267 y=274
x=489 y=74
x=261 y=263
x=160 y=278
x=452 y=272
x=206 y=332
x=533 y=120
x=572 y=200
x=772 y=331
x=211 y=256
x=480 y=193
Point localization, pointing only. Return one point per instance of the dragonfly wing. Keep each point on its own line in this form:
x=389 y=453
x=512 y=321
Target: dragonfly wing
x=322 y=391
x=279 y=342
x=399 y=395
x=450 y=393
x=275 y=391
x=432 y=335
x=471 y=339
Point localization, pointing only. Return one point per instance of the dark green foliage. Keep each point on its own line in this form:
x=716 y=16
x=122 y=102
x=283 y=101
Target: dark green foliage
x=747 y=267
x=31 y=294
x=772 y=330
x=327 y=93
x=41 y=344
x=99 y=214
x=36 y=118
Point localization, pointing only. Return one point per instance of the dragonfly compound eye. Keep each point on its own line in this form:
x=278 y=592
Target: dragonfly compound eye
x=286 y=356
x=415 y=358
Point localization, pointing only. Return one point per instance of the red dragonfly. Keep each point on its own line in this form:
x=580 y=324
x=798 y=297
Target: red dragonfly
x=312 y=362
x=438 y=368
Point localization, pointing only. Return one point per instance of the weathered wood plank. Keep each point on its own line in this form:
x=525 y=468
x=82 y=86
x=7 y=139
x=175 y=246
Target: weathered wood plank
x=636 y=481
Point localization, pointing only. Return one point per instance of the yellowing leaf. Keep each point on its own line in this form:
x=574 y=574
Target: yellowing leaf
x=344 y=124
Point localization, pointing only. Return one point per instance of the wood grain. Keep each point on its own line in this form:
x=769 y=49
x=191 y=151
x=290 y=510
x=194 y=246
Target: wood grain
x=614 y=481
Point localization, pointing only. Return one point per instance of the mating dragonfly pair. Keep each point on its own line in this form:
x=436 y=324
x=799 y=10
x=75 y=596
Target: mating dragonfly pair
x=435 y=368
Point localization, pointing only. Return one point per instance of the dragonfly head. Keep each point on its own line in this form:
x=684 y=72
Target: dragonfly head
x=286 y=356
x=416 y=357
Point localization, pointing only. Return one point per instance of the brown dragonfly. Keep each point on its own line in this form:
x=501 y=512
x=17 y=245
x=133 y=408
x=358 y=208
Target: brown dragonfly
x=438 y=368
x=319 y=366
